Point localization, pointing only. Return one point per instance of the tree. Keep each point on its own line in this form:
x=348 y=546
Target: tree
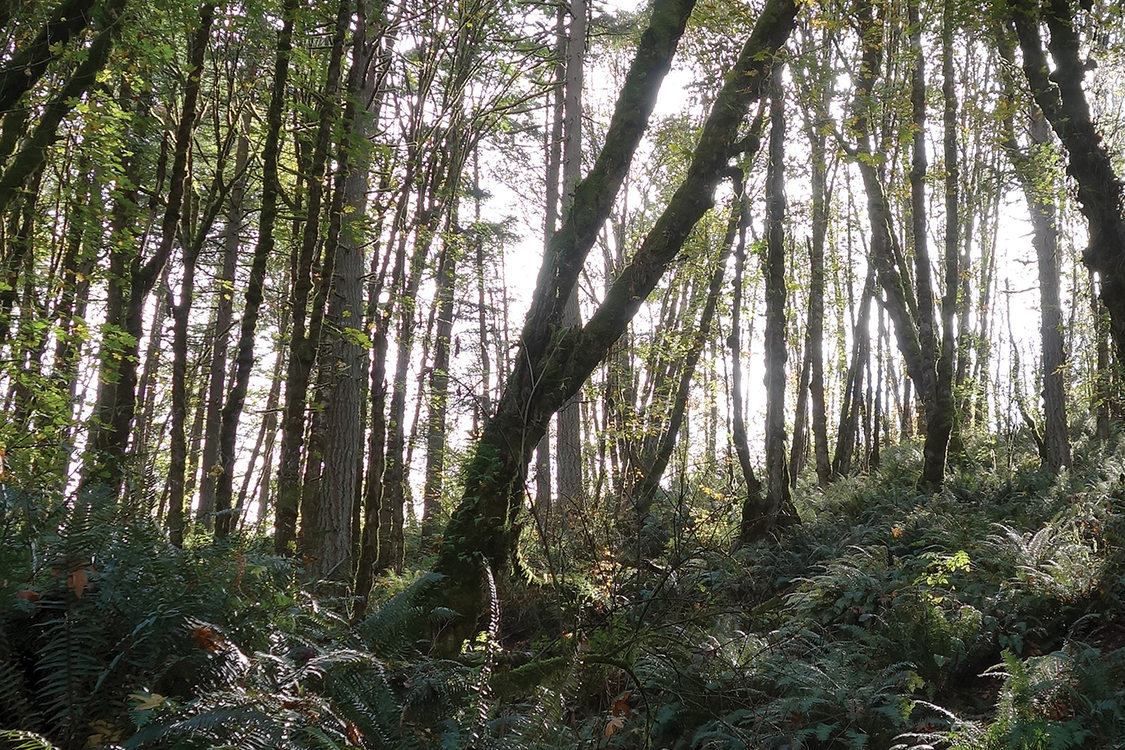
x=777 y=352
x=1059 y=93
x=1038 y=189
x=554 y=361
x=910 y=305
x=328 y=538
x=182 y=310
x=568 y=447
x=263 y=250
x=305 y=333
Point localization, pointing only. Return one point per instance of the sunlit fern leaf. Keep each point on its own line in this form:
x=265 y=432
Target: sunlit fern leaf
x=437 y=688
x=315 y=737
x=365 y=698
x=394 y=628
x=16 y=739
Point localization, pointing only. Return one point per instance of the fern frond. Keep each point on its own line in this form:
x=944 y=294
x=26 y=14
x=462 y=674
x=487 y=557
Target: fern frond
x=213 y=726
x=17 y=739
x=15 y=693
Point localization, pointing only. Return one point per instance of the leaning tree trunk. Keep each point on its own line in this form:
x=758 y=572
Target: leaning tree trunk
x=554 y=362
x=1059 y=93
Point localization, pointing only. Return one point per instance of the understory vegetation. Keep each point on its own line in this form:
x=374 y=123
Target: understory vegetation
x=986 y=616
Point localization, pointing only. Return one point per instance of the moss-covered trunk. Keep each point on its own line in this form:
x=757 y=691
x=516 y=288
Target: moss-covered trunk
x=554 y=361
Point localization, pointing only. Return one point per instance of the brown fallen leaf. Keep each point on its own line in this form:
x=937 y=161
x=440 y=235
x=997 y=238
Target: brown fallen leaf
x=29 y=595
x=207 y=639
x=621 y=707
x=77 y=580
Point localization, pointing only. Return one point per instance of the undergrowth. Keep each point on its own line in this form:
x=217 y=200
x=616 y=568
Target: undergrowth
x=984 y=617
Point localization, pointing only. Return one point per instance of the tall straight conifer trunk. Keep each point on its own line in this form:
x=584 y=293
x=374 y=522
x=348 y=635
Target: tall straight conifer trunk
x=329 y=542
x=305 y=334
x=568 y=447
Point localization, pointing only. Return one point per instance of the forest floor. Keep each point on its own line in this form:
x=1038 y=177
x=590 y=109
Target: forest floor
x=987 y=616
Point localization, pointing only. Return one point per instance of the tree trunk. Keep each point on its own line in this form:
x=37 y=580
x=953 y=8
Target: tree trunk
x=1060 y=95
x=766 y=517
x=439 y=386
x=799 y=450
x=848 y=431
x=815 y=340
x=224 y=316
x=373 y=488
x=244 y=361
x=752 y=499
x=1039 y=192
x=182 y=310
x=554 y=362
x=117 y=390
x=654 y=465
x=910 y=306
x=304 y=341
x=1103 y=383
x=568 y=456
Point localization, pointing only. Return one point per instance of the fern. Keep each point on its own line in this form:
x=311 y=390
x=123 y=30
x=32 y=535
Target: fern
x=16 y=739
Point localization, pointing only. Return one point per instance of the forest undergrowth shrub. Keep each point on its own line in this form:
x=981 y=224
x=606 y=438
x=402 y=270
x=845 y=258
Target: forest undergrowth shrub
x=1065 y=700
x=846 y=631
x=904 y=596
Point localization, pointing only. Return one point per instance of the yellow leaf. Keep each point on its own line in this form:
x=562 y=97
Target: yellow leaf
x=147 y=701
